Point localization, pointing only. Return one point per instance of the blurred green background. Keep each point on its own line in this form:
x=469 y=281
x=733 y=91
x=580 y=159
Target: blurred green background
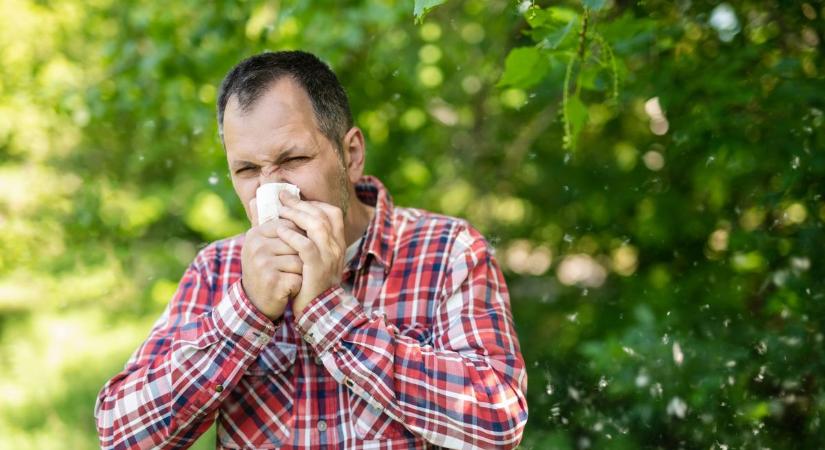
x=649 y=172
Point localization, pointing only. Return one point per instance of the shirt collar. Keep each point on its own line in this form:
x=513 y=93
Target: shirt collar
x=379 y=239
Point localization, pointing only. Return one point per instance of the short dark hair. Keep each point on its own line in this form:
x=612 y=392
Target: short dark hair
x=250 y=78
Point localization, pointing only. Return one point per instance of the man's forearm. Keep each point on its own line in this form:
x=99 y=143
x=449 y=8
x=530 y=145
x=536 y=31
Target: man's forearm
x=453 y=398
x=170 y=389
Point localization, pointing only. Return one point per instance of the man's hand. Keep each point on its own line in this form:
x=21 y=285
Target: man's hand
x=271 y=268
x=321 y=250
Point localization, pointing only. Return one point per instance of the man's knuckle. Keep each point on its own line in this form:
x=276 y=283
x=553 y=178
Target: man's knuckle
x=315 y=226
x=309 y=248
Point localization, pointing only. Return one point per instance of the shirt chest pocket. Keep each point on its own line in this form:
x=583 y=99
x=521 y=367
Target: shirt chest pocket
x=277 y=357
x=258 y=412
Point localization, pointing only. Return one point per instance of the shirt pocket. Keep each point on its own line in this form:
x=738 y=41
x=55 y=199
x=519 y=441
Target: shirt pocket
x=278 y=357
x=371 y=422
x=258 y=412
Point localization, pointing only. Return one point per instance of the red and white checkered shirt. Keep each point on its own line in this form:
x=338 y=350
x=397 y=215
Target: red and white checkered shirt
x=416 y=349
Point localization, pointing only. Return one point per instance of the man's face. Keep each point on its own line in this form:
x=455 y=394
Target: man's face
x=278 y=141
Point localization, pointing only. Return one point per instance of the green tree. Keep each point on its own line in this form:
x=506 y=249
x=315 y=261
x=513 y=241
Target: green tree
x=649 y=172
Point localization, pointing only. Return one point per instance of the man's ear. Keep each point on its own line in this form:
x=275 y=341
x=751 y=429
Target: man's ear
x=355 y=153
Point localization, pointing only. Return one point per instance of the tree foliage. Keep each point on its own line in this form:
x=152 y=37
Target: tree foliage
x=650 y=174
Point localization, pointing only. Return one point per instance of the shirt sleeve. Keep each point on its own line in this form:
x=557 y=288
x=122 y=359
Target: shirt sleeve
x=169 y=391
x=464 y=391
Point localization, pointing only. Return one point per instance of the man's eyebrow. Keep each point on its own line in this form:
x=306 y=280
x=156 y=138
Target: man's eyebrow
x=288 y=153
x=241 y=162
x=282 y=156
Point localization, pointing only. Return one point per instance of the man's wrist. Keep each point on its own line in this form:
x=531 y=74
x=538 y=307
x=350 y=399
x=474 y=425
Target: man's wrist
x=300 y=308
x=239 y=320
x=275 y=318
x=328 y=318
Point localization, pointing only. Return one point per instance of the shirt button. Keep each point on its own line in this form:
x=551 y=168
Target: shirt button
x=348 y=382
x=319 y=361
x=322 y=425
x=218 y=388
x=308 y=339
x=263 y=339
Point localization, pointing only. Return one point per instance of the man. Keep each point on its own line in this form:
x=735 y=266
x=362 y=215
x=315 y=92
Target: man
x=347 y=323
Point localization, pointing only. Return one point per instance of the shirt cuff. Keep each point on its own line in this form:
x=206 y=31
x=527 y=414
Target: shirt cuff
x=328 y=318
x=241 y=322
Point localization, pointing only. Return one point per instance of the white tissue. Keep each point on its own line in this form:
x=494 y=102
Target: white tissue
x=269 y=205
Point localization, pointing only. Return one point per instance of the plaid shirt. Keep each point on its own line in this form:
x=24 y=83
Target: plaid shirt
x=416 y=349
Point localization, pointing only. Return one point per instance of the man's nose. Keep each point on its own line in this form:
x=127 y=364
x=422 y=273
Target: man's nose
x=271 y=175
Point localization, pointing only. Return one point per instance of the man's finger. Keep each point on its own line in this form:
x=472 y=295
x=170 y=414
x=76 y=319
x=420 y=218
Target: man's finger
x=323 y=212
x=269 y=228
x=278 y=247
x=290 y=201
x=287 y=198
x=306 y=249
x=317 y=227
x=291 y=283
x=291 y=225
x=335 y=217
x=288 y=264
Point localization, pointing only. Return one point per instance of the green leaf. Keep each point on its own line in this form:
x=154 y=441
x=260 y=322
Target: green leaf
x=554 y=39
x=595 y=5
x=524 y=67
x=537 y=17
x=422 y=7
x=561 y=14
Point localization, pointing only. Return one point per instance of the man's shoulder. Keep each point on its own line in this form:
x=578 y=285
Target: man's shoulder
x=416 y=218
x=416 y=223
